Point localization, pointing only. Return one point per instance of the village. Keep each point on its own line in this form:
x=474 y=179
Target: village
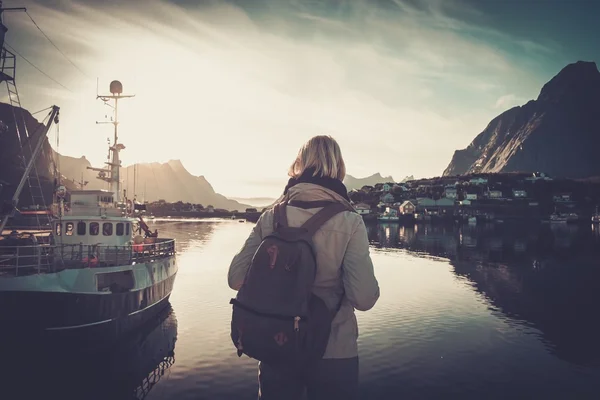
x=480 y=198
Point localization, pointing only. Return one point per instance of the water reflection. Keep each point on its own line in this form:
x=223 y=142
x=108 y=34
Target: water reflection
x=545 y=276
x=129 y=369
x=188 y=233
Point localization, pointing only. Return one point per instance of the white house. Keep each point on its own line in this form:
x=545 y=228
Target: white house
x=562 y=198
x=407 y=208
x=210 y=209
x=471 y=196
x=362 y=208
x=519 y=193
x=465 y=203
x=478 y=181
x=494 y=194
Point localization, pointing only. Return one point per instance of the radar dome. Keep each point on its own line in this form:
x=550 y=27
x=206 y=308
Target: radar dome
x=61 y=191
x=116 y=87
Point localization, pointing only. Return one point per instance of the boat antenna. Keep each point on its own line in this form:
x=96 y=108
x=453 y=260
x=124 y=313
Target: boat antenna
x=111 y=174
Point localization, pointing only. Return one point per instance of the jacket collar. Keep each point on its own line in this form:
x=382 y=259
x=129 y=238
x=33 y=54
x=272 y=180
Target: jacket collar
x=334 y=185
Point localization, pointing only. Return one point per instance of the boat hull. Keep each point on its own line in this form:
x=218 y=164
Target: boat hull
x=92 y=317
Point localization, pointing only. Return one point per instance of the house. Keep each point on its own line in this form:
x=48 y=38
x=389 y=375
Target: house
x=465 y=203
x=562 y=198
x=425 y=202
x=444 y=202
x=407 y=208
x=387 y=198
x=538 y=176
x=471 y=196
x=362 y=208
x=478 y=181
x=450 y=192
x=519 y=193
x=494 y=194
x=210 y=209
x=386 y=187
x=392 y=212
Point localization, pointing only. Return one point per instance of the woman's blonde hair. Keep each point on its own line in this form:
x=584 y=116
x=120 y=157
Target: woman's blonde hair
x=323 y=154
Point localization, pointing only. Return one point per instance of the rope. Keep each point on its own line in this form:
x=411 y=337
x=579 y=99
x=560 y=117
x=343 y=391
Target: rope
x=34 y=66
x=55 y=46
x=45 y=109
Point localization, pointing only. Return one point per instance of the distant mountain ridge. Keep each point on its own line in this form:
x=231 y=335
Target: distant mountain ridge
x=169 y=181
x=558 y=133
x=356 y=183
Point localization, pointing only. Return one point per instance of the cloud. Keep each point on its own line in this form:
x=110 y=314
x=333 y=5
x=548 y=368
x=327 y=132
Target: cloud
x=507 y=101
x=234 y=92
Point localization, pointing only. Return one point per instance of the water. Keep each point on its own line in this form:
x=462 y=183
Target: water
x=473 y=312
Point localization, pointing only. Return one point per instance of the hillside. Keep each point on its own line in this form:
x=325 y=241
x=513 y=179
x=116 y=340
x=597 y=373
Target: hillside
x=168 y=181
x=557 y=133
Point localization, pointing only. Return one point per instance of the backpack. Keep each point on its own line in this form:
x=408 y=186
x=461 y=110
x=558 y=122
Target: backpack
x=276 y=317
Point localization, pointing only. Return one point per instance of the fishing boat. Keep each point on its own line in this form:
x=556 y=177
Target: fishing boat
x=100 y=271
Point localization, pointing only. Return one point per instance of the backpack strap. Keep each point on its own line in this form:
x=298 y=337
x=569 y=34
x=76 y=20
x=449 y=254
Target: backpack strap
x=280 y=216
x=322 y=216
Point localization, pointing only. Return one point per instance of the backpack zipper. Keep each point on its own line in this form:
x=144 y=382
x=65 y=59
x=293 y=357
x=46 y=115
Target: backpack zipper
x=296 y=319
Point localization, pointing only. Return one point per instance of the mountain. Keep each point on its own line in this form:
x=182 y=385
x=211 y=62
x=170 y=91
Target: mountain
x=356 y=183
x=168 y=181
x=558 y=133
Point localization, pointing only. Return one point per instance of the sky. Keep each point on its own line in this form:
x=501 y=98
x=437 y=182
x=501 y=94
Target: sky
x=233 y=88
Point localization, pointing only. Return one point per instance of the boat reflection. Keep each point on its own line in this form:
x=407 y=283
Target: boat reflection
x=545 y=277
x=128 y=370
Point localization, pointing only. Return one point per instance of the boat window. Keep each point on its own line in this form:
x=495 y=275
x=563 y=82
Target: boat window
x=127 y=229
x=94 y=228
x=107 y=228
x=120 y=229
x=81 y=228
x=69 y=229
x=58 y=229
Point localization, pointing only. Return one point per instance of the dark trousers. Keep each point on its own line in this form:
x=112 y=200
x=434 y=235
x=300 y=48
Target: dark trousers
x=331 y=378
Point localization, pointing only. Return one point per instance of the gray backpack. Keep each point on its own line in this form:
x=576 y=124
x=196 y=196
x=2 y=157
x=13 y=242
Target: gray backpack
x=276 y=317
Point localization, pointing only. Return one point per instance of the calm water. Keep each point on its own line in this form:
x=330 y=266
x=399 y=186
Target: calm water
x=471 y=312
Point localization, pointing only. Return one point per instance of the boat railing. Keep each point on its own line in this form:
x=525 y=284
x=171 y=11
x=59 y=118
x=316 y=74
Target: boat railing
x=46 y=258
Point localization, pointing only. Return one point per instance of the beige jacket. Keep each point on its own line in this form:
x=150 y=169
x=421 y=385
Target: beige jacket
x=343 y=264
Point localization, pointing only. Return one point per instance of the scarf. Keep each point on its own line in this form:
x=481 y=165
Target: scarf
x=329 y=183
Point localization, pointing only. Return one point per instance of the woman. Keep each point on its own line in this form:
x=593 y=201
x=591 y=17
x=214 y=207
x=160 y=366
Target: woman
x=344 y=272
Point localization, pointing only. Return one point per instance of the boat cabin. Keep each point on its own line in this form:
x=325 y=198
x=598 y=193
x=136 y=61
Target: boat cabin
x=93 y=218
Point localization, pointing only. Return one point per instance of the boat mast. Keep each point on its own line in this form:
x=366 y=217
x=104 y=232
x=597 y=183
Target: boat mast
x=111 y=174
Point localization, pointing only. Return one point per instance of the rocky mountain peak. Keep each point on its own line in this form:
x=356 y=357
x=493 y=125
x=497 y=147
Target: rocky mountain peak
x=576 y=81
x=557 y=133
